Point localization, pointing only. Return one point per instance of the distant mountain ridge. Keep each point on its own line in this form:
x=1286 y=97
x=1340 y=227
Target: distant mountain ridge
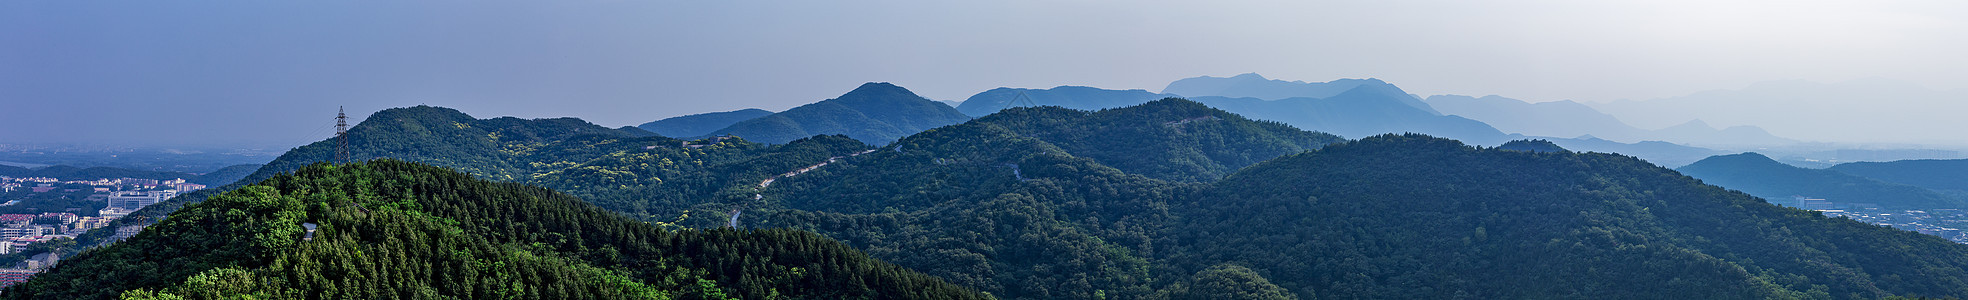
x=1938 y=174
x=1368 y=109
x=701 y=124
x=1071 y=97
x=1252 y=85
x=1572 y=119
x=1775 y=181
x=875 y=113
x=216 y=178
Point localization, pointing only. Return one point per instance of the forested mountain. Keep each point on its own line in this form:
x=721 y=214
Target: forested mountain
x=647 y=177
x=701 y=124
x=391 y=229
x=875 y=113
x=1051 y=203
x=1764 y=177
x=1539 y=146
x=1170 y=139
x=1938 y=174
x=1415 y=217
x=1072 y=97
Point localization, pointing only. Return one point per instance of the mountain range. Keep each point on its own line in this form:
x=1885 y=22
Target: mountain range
x=880 y=193
x=1347 y=107
x=876 y=112
x=1072 y=97
x=1167 y=199
x=701 y=124
x=1572 y=119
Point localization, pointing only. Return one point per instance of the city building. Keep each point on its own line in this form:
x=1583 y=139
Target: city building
x=62 y=218
x=9 y=233
x=1807 y=203
x=134 y=200
x=10 y=277
x=16 y=220
x=127 y=232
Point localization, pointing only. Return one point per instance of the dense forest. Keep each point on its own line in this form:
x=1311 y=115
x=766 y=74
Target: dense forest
x=1176 y=200
x=1408 y=216
x=391 y=229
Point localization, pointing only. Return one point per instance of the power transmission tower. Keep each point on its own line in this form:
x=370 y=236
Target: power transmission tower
x=1019 y=99
x=341 y=136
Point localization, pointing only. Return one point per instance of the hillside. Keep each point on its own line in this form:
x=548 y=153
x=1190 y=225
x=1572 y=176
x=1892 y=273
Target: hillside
x=378 y=221
x=875 y=113
x=227 y=175
x=1539 y=146
x=1764 y=177
x=1051 y=203
x=13 y=171
x=701 y=124
x=985 y=207
x=653 y=178
x=1169 y=139
x=1071 y=97
x=1415 y=217
x=1938 y=174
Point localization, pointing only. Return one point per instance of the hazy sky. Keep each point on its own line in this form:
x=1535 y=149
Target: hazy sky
x=274 y=71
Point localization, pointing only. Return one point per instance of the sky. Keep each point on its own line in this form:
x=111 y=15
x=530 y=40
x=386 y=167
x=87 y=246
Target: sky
x=226 y=72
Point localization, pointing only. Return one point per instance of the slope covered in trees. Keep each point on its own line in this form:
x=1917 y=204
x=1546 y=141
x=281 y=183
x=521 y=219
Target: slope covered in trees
x=1171 y=139
x=701 y=124
x=1420 y=217
x=654 y=178
x=391 y=229
x=1764 y=177
x=1072 y=97
x=875 y=113
x=1043 y=203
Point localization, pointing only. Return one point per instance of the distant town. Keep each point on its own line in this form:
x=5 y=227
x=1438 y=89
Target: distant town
x=1942 y=222
x=66 y=209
